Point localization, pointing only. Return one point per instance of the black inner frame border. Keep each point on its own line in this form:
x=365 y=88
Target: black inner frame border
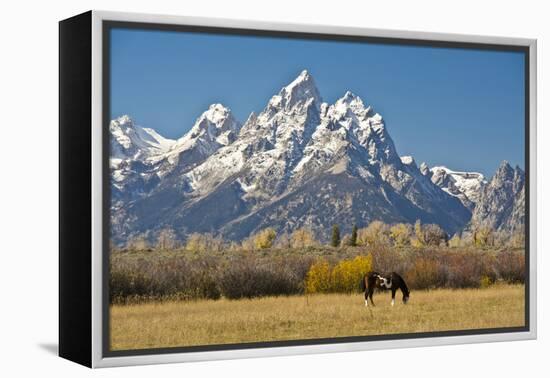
x=108 y=25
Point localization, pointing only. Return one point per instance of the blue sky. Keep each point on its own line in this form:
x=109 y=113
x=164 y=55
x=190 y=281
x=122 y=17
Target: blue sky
x=455 y=107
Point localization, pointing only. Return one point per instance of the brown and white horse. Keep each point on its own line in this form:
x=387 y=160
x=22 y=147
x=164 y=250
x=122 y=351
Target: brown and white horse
x=386 y=281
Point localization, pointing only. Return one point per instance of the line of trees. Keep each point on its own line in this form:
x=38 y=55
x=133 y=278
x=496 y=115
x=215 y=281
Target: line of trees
x=376 y=233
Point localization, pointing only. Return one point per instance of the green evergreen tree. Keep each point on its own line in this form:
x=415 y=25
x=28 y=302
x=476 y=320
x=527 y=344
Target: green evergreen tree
x=335 y=236
x=353 y=241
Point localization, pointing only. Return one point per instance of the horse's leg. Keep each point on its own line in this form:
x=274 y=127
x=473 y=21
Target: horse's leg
x=405 y=292
x=393 y=296
x=366 y=297
x=371 y=292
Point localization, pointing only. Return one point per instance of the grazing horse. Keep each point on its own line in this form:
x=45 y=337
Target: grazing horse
x=387 y=281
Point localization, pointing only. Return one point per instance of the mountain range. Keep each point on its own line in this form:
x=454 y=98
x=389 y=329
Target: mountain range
x=300 y=162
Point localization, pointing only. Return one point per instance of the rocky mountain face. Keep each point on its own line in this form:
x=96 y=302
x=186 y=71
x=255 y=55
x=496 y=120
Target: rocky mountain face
x=299 y=163
x=501 y=204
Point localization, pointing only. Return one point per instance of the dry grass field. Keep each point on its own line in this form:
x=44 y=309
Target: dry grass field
x=202 y=322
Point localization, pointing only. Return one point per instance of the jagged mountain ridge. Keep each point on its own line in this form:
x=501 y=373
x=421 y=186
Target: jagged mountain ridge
x=141 y=158
x=466 y=186
x=299 y=163
x=501 y=204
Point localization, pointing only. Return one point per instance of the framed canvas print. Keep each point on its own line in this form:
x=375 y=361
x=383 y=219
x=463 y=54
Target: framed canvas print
x=234 y=189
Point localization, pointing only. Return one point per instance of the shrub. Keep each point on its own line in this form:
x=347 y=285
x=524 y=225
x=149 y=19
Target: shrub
x=465 y=268
x=455 y=241
x=401 y=234
x=456 y=268
x=166 y=239
x=302 y=238
x=386 y=259
x=348 y=273
x=125 y=283
x=434 y=235
x=483 y=236
x=318 y=278
x=197 y=242
x=517 y=240
x=417 y=243
x=248 y=244
x=284 y=241
x=177 y=278
x=344 y=277
x=424 y=274
x=485 y=282
x=375 y=233
x=429 y=234
x=418 y=240
x=246 y=278
x=265 y=238
x=510 y=266
x=138 y=243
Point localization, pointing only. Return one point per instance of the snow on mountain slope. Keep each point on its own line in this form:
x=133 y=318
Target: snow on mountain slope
x=133 y=148
x=269 y=144
x=466 y=186
x=298 y=92
x=129 y=141
x=140 y=157
x=215 y=128
x=409 y=181
x=279 y=170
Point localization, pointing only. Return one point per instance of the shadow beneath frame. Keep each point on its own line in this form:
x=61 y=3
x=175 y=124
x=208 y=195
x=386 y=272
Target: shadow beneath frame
x=51 y=348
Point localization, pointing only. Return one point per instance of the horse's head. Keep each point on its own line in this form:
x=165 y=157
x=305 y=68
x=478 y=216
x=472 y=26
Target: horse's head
x=406 y=298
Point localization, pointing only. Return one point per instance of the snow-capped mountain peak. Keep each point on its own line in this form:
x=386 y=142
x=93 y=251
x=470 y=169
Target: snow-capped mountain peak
x=120 y=128
x=216 y=113
x=216 y=119
x=408 y=160
x=350 y=104
x=349 y=96
x=124 y=121
x=352 y=100
x=132 y=141
x=300 y=91
x=505 y=171
x=214 y=128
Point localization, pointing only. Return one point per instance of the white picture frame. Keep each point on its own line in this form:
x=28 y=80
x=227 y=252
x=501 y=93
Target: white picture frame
x=98 y=357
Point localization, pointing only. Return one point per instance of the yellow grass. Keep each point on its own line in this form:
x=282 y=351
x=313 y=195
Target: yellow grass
x=170 y=324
